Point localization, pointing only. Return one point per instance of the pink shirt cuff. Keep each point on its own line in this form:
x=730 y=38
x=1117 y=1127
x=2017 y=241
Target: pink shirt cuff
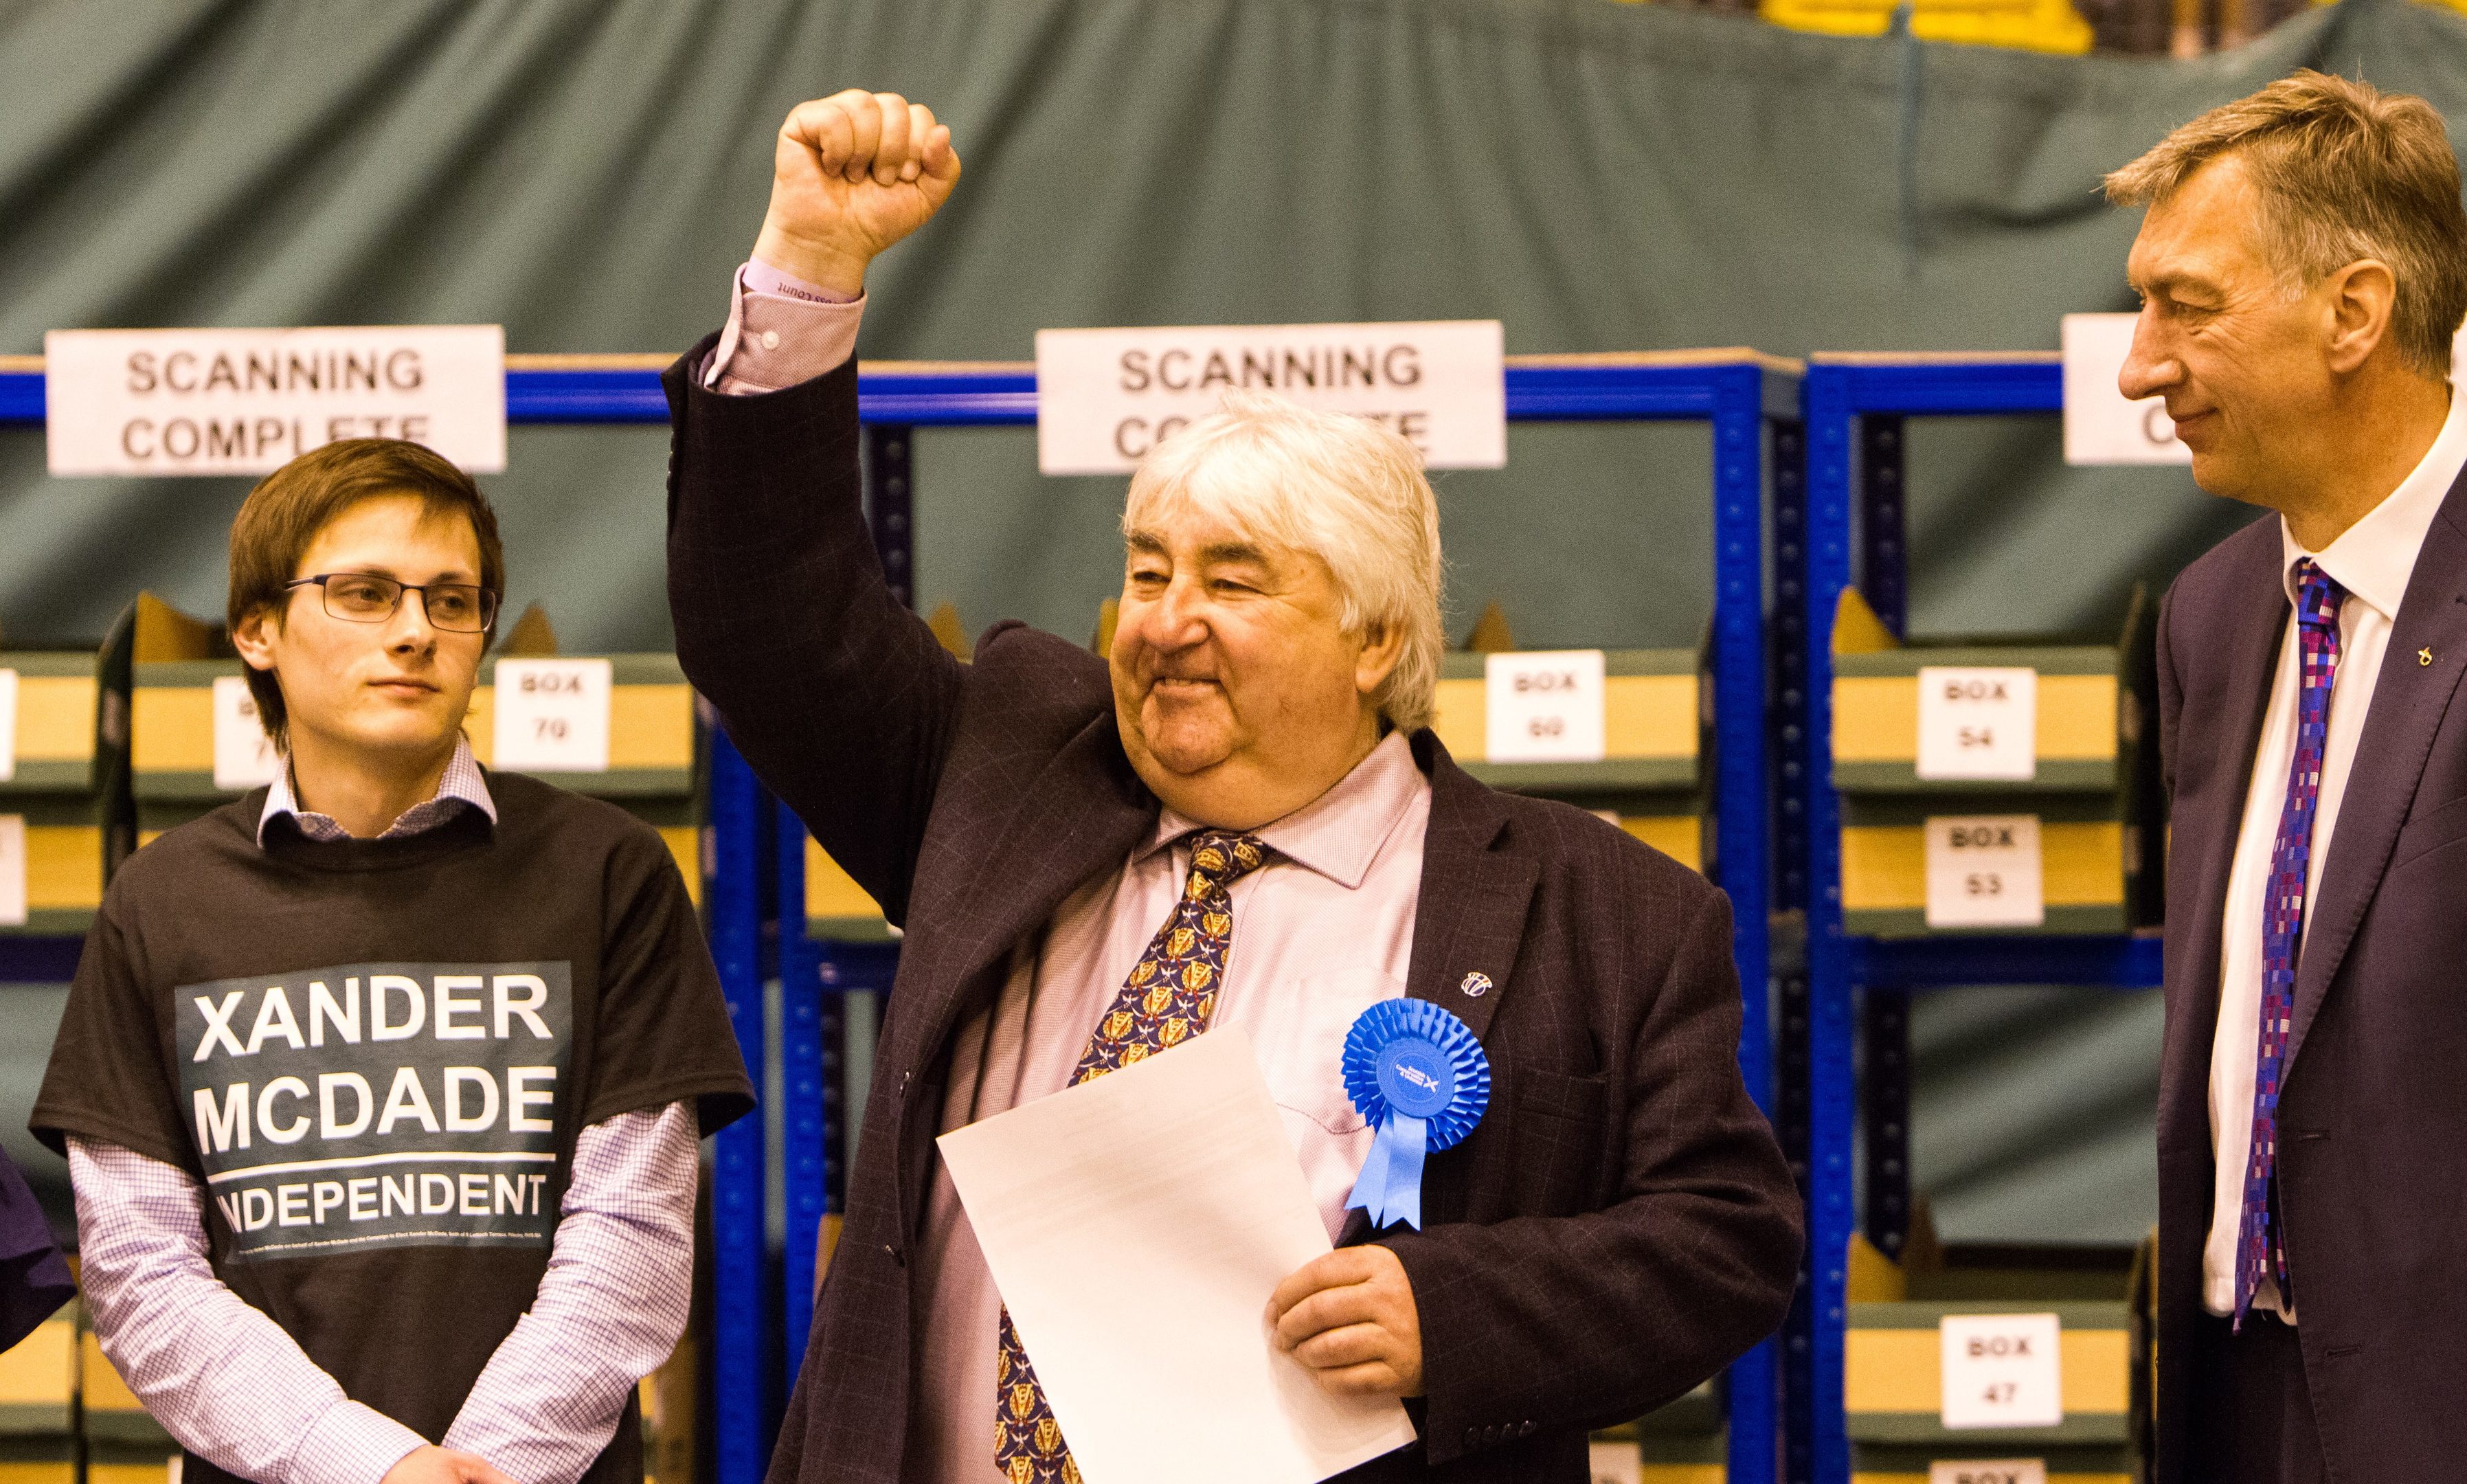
x=781 y=331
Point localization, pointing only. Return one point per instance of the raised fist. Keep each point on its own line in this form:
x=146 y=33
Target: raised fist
x=852 y=175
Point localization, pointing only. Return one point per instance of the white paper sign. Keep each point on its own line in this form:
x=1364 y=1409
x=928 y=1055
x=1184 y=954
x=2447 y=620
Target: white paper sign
x=1104 y=398
x=13 y=870
x=2101 y=427
x=1135 y=1225
x=1544 y=706
x=245 y=756
x=1988 y=1471
x=1978 y=721
x=1983 y=871
x=553 y=715
x=247 y=401
x=2003 y=1370
x=7 y=724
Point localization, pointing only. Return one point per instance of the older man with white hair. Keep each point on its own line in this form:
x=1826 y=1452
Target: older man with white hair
x=1245 y=793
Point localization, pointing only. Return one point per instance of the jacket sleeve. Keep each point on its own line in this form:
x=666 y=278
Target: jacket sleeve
x=1585 y=1321
x=838 y=696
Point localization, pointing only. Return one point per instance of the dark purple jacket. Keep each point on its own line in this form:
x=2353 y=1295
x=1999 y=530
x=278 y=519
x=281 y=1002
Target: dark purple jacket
x=1619 y=1226
x=2372 y=1163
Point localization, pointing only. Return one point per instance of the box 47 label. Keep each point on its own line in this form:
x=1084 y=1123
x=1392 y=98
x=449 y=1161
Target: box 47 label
x=2003 y=1370
x=1984 y=870
x=1978 y=721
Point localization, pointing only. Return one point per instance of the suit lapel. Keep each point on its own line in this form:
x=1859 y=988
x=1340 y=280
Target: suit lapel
x=1084 y=813
x=2409 y=698
x=1468 y=920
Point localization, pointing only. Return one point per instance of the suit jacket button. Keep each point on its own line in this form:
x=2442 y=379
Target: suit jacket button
x=1525 y=1429
x=1490 y=1434
x=1473 y=1437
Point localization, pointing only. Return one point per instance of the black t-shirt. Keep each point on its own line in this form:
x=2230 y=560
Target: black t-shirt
x=375 y=1056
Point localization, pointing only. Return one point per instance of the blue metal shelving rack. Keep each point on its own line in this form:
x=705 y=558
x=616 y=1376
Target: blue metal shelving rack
x=1751 y=404
x=1854 y=409
x=1743 y=397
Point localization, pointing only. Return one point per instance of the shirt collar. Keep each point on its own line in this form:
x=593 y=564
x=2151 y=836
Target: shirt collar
x=1340 y=833
x=2374 y=558
x=465 y=784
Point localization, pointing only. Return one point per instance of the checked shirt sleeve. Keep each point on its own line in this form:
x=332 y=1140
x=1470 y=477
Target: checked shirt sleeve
x=217 y=1373
x=614 y=1301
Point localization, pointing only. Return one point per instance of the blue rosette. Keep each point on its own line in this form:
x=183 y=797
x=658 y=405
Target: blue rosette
x=1419 y=1078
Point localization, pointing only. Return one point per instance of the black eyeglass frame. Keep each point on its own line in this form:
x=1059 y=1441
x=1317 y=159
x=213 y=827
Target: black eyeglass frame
x=488 y=598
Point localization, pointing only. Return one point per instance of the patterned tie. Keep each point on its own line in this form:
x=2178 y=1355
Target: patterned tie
x=1169 y=999
x=2260 y=1247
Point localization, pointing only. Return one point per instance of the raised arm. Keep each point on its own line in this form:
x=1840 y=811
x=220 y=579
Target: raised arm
x=838 y=696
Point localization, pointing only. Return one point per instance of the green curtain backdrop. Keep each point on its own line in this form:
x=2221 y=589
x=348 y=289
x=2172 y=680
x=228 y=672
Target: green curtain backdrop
x=1597 y=176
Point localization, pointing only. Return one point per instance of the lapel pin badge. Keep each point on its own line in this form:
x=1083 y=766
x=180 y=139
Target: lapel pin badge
x=1476 y=985
x=2424 y=657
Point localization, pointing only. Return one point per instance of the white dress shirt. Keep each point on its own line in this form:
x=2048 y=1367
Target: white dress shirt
x=2373 y=559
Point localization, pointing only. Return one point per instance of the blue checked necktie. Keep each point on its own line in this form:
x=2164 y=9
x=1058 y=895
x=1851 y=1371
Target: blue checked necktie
x=2260 y=1247
x=1169 y=999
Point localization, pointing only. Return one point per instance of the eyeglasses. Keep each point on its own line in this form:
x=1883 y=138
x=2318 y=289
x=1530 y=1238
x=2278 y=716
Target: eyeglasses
x=364 y=598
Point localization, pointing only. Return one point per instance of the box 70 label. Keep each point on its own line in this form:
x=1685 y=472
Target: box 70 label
x=1988 y=1471
x=551 y=715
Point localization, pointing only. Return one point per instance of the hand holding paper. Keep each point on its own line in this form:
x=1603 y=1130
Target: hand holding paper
x=1137 y=1227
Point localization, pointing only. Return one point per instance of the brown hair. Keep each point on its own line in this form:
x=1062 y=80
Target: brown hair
x=282 y=517
x=2345 y=172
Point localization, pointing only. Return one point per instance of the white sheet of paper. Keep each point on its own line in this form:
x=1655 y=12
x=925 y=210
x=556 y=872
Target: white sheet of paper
x=1137 y=1225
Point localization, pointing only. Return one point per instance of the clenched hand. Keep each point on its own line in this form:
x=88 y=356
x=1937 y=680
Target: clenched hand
x=852 y=175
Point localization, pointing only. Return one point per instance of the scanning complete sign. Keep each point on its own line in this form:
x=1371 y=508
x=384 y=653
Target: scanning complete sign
x=248 y=401
x=1104 y=398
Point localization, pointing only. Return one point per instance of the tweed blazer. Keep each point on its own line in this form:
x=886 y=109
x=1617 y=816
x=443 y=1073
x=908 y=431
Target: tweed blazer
x=1618 y=1227
x=2372 y=1113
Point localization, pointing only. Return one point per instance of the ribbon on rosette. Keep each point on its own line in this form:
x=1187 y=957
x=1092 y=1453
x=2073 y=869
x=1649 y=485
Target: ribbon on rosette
x=1419 y=1078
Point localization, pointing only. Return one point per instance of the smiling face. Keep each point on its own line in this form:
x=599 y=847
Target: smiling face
x=1238 y=694
x=396 y=690
x=2247 y=370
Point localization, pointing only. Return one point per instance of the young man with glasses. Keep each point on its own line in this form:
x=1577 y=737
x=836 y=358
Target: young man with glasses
x=380 y=1087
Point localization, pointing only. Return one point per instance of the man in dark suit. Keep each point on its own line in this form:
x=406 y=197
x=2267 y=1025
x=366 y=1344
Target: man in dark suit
x=1251 y=768
x=2303 y=268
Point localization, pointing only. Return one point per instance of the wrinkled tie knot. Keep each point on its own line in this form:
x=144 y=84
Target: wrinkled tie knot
x=2319 y=596
x=1220 y=858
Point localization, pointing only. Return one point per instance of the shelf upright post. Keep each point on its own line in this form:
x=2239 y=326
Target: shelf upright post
x=805 y=1097
x=1790 y=889
x=1743 y=784
x=1819 y=1445
x=742 y=1377
x=1885 y=1010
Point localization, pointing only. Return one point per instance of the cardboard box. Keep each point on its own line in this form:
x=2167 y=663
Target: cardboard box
x=1989 y=1462
x=1651 y=779
x=38 y=1382
x=1893 y=1365
x=2091 y=797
